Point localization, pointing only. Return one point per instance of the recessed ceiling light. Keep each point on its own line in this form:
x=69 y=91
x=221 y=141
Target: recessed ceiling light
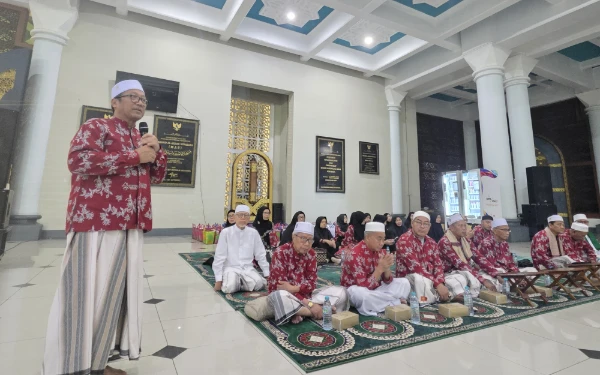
x=291 y=16
x=369 y=40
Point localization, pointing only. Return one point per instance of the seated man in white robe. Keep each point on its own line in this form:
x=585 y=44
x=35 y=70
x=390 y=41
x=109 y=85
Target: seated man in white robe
x=367 y=274
x=293 y=281
x=238 y=246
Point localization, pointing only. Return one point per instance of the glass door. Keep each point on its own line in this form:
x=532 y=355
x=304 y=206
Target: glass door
x=471 y=194
x=451 y=193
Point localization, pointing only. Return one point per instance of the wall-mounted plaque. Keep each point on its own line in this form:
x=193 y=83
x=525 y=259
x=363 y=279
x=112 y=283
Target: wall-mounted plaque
x=368 y=157
x=94 y=112
x=331 y=170
x=179 y=138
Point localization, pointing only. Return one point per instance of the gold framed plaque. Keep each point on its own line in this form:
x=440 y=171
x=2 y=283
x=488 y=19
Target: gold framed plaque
x=88 y=112
x=179 y=139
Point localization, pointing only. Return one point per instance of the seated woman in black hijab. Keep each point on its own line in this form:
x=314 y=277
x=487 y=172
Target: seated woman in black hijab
x=230 y=219
x=263 y=225
x=387 y=244
x=436 y=231
x=324 y=239
x=407 y=222
x=394 y=231
x=356 y=230
x=286 y=236
x=340 y=229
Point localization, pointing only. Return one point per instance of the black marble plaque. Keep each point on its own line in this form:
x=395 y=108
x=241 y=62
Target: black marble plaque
x=368 y=157
x=331 y=170
x=179 y=138
x=88 y=112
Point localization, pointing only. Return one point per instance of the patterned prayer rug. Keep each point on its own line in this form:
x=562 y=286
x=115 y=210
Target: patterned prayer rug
x=314 y=349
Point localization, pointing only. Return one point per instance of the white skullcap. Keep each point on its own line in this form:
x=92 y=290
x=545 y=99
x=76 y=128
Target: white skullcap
x=421 y=214
x=242 y=208
x=304 y=227
x=554 y=218
x=580 y=227
x=579 y=217
x=454 y=219
x=374 y=226
x=121 y=87
x=498 y=222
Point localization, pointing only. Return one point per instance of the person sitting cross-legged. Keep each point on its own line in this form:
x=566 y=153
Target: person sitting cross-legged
x=547 y=250
x=367 y=275
x=418 y=259
x=293 y=280
x=238 y=246
x=493 y=255
x=575 y=244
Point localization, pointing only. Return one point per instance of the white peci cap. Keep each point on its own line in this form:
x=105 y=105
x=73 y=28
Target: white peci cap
x=421 y=214
x=498 y=222
x=580 y=227
x=554 y=218
x=121 y=87
x=304 y=227
x=579 y=217
x=242 y=208
x=374 y=226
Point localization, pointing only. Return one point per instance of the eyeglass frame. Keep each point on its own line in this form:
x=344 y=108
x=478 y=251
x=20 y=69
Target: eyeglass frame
x=305 y=240
x=131 y=96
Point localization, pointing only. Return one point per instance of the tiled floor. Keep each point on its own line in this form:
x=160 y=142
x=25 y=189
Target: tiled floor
x=190 y=330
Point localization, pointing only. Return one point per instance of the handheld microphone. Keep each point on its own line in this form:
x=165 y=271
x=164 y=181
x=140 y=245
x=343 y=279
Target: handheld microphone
x=143 y=128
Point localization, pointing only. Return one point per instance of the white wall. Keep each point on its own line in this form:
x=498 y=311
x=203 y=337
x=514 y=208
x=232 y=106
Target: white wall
x=323 y=103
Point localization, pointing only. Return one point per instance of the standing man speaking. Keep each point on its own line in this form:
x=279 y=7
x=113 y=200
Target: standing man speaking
x=98 y=304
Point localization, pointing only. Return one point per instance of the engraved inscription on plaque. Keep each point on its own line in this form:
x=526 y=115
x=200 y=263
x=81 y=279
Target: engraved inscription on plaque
x=368 y=157
x=179 y=139
x=331 y=157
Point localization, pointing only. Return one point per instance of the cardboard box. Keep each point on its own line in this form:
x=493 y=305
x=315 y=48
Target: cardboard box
x=398 y=313
x=542 y=289
x=453 y=310
x=493 y=297
x=343 y=320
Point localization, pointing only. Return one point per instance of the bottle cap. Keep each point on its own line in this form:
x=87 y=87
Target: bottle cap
x=326 y=298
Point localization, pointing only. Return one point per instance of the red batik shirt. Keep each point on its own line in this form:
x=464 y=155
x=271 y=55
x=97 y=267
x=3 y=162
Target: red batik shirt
x=298 y=270
x=413 y=256
x=579 y=251
x=492 y=254
x=480 y=234
x=110 y=190
x=540 y=250
x=452 y=261
x=349 y=242
x=359 y=266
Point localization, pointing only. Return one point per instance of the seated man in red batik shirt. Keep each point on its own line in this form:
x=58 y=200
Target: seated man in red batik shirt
x=493 y=255
x=483 y=231
x=455 y=253
x=417 y=259
x=575 y=244
x=367 y=275
x=547 y=250
x=293 y=280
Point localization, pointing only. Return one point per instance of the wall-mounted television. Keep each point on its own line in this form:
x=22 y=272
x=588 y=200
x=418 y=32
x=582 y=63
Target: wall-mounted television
x=162 y=94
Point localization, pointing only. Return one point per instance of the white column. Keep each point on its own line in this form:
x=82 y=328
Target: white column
x=470 y=138
x=591 y=99
x=516 y=82
x=487 y=62
x=53 y=19
x=394 y=99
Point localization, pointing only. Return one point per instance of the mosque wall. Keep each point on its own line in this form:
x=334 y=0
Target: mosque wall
x=322 y=102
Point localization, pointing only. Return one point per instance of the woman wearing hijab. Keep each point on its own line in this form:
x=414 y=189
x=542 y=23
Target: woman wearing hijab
x=388 y=219
x=324 y=239
x=356 y=230
x=340 y=229
x=367 y=218
x=286 y=236
x=262 y=224
x=388 y=242
x=230 y=219
x=394 y=231
x=408 y=220
x=436 y=231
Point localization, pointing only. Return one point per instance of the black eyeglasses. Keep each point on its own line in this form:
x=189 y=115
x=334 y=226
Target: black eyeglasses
x=134 y=98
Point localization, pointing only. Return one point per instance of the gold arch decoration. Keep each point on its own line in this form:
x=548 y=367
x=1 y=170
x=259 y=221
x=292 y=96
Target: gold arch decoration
x=541 y=160
x=252 y=184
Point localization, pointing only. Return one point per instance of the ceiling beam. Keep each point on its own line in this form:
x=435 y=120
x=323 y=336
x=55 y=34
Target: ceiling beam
x=596 y=41
x=589 y=64
x=565 y=71
x=461 y=94
x=237 y=15
x=424 y=91
x=319 y=45
x=458 y=103
x=121 y=7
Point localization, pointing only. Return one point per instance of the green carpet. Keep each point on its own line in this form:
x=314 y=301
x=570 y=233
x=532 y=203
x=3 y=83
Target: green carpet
x=314 y=349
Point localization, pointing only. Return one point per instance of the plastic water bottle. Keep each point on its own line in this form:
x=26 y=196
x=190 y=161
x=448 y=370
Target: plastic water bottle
x=415 y=316
x=547 y=280
x=515 y=258
x=469 y=301
x=506 y=287
x=327 y=315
